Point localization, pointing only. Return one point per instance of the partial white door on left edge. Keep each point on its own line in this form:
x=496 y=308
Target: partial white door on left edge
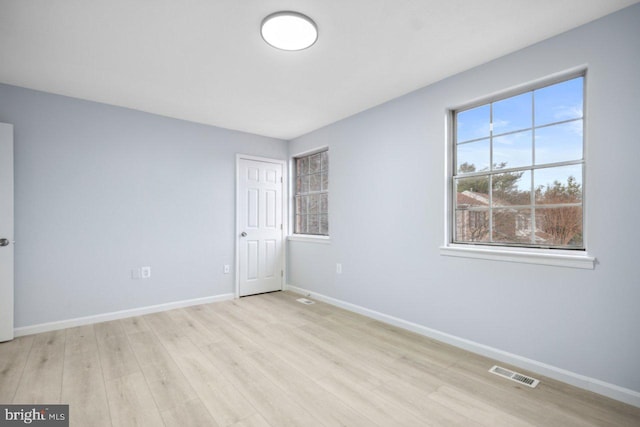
x=6 y=232
x=259 y=226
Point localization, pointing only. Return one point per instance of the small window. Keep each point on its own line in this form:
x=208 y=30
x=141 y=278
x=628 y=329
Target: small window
x=312 y=194
x=518 y=169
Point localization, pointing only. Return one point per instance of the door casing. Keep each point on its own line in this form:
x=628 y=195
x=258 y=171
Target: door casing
x=6 y=232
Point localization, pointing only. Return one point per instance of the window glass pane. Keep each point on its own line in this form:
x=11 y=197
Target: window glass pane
x=314 y=204
x=512 y=225
x=473 y=124
x=513 y=150
x=513 y=114
x=562 y=101
x=313 y=224
x=510 y=189
x=299 y=207
x=302 y=166
x=324 y=160
x=562 y=184
x=314 y=182
x=472 y=192
x=324 y=203
x=304 y=188
x=559 y=226
x=473 y=157
x=314 y=163
x=325 y=181
x=324 y=224
x=472 y=226
x=301 y=224
x=559 y=143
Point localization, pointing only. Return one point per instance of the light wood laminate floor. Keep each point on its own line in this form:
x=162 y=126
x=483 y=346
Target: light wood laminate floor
x=269 y=361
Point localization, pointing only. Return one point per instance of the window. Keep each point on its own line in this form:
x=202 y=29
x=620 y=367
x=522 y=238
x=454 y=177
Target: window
x=518 y=169
x=312 y=194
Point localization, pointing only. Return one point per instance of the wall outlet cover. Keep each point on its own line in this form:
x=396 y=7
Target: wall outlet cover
x=145 y=272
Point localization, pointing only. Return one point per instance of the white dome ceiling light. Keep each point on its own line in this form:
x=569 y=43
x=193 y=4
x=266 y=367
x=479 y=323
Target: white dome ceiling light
x=289 y=31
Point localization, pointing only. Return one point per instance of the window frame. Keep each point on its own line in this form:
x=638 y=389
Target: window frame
x=566 y=257
x=304 y=237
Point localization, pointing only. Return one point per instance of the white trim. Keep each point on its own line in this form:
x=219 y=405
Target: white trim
x=612 y=391
x=285 y=215
x=310 y=152
x=309 y=238
x=522 y=255
x=104 y=317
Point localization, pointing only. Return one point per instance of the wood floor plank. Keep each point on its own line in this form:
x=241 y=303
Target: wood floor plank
x=262 y=394
x=375 y=408
x=165 y=380
x=131 y=325
x=471 y=407
x=41 y=381
x=188 y=414
x=321 y=404
x=80 y=339
x=189 y=326
x=13 y=357
x=255 y=420
x=105 y=330
x=223 y=400
x=416 y=399
x=83 y=389
x=131 y=403
x=116 y=357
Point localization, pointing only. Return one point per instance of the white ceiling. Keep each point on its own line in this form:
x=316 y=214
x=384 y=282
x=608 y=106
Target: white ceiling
x=204 y=60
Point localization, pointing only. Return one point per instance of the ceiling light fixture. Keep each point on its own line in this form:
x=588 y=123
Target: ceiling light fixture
x=289 y=30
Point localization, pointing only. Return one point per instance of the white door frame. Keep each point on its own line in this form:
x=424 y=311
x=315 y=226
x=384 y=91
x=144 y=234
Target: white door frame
x=285 y=215
x=7 y=232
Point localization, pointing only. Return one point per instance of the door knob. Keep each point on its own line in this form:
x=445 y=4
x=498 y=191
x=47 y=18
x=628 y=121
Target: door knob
x=4 y=242
x=243 y=234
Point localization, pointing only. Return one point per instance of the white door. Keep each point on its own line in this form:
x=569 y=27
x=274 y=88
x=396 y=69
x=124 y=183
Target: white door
x=6 y=232
x=259 y=226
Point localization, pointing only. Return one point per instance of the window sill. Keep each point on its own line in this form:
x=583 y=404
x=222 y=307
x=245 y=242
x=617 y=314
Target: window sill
x=556 y=258
x=309 y=238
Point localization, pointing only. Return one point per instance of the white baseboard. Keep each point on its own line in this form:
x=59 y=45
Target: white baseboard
x=601 y=387
x=79 y=321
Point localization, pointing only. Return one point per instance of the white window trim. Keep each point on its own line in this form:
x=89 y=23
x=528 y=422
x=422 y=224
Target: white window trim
x=540 y=256
x=309 y=238
x=555 y=257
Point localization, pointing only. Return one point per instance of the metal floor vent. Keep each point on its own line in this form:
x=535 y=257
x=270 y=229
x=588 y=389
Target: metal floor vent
x=305 y=301
x=514 y=376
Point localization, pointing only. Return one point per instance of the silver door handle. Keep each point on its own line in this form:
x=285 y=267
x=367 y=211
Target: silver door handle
x=243 y=234
x=4 y=242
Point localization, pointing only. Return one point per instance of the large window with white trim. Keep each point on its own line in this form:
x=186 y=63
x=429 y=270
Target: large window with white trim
x=312 y=193
x=518 y=169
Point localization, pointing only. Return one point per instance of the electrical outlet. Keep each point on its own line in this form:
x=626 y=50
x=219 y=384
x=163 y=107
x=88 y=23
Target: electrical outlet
x=227 y=268
x=338 y=268
x=135 y=273
x=145 y=272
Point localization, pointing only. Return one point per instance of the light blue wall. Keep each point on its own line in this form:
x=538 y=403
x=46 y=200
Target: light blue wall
x=387 y=216
x=100 y=190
